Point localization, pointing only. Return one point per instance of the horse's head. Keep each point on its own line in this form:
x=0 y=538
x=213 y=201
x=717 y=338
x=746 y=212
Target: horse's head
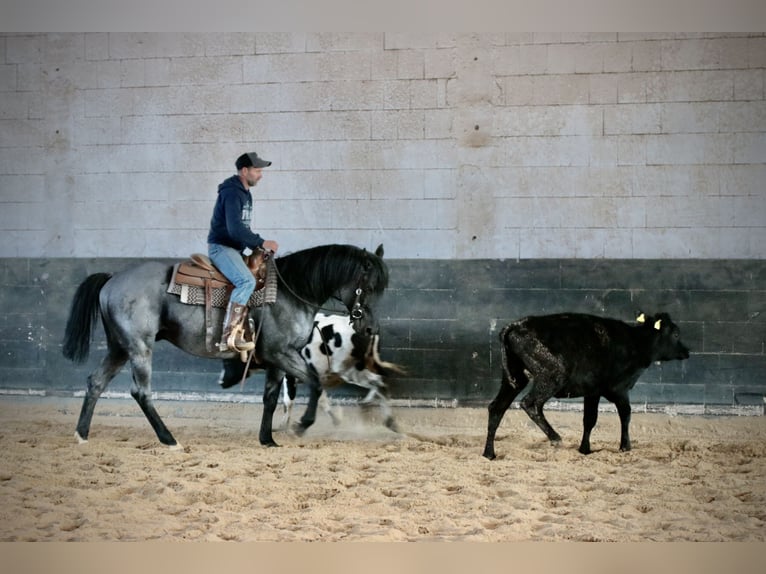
x=361 y=296
x=352 y=275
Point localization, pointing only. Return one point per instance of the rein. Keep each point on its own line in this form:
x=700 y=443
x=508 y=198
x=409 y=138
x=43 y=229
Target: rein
x=257 y=333
x=252 y=352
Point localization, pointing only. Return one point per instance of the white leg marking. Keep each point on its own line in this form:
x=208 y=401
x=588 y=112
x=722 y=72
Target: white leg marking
x=80 y=440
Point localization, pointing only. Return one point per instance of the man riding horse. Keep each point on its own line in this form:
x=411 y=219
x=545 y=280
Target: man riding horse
x=229 y=236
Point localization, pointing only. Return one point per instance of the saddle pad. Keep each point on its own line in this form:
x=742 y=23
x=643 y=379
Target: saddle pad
x=195 y=295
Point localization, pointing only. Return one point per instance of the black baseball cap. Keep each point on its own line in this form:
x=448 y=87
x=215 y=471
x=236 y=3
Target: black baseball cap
x=251 y=159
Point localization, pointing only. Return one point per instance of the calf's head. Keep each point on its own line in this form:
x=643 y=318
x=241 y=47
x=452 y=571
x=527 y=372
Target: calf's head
x=667 y=345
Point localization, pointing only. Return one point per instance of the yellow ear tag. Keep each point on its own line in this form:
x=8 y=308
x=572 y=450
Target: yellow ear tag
x=657 y=324
x=641 y=318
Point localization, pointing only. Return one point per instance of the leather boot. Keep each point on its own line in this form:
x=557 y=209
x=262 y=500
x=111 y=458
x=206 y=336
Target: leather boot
x=232 y=336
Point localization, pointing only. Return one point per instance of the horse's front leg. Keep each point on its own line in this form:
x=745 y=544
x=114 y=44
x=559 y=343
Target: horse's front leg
x=310 y=415
x=270 y=400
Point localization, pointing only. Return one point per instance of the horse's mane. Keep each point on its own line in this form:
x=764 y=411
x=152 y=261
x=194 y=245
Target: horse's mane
x=318 y=272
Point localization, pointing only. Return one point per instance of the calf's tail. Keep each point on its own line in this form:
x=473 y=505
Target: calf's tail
x=82 y=317
x=386 y=367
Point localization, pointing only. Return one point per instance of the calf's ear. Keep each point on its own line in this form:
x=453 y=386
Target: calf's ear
x=641 y=318
x=658 y=324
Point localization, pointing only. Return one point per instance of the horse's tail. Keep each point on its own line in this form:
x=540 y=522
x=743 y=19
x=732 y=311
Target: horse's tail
x=82 y=317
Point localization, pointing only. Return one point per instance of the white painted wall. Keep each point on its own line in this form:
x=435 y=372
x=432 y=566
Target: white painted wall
x=439 y=146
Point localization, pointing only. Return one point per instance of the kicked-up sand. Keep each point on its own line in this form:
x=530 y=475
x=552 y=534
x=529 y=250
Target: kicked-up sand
x=688 y=478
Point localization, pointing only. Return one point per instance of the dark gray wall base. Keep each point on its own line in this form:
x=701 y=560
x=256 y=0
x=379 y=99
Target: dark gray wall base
x=440 y=319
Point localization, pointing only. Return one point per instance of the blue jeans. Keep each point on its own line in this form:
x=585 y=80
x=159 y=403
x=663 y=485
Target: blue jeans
x=229 y=262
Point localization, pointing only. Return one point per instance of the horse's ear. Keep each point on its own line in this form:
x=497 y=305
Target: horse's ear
x=379 y=250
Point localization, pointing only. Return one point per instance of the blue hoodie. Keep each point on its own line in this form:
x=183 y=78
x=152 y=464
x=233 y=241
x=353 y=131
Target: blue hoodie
x=230 y=224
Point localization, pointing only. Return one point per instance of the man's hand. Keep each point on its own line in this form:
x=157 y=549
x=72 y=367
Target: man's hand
x=269 y=245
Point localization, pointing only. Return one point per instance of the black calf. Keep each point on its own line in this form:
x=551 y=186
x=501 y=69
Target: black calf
x=575 y=355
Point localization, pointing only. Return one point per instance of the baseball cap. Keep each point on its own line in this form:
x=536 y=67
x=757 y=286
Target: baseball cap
x=251 y=159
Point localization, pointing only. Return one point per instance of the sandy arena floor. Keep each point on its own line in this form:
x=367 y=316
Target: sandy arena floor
x=688 y=478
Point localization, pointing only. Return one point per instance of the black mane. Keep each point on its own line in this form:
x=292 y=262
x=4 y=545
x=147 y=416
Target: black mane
x=317 y=273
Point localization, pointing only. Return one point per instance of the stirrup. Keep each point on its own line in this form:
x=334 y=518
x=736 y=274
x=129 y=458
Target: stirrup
x=244 y=345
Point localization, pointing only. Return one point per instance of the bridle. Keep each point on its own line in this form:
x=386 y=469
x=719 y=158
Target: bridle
x=357 y=311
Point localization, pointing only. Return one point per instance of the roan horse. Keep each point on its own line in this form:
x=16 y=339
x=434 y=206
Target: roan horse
x=136 y=311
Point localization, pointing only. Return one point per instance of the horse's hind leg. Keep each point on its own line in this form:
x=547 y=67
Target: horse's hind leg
x=141 y=392
x=97 y=382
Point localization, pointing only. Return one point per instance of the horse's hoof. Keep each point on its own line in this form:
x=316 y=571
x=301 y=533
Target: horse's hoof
x=489 y=455
x=271 y=444
x=391 y=424
x=299 y=429
x=80 y=440
x=176 y=446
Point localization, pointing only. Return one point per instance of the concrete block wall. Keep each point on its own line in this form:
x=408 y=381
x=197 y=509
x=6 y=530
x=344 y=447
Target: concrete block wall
x=442 y=146
x=506 y=174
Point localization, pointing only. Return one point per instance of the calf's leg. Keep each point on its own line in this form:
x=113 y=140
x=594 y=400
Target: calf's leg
x=288 y=397
x=589 y=418
x=324 y=404
x=497 y=409
x=622 y=402
x=543 y=389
